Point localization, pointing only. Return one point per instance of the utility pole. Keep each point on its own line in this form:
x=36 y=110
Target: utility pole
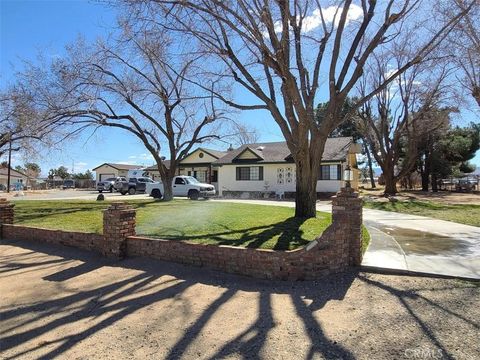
x=9 y=164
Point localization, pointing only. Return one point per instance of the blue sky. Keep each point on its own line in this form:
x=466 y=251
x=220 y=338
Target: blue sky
x=28 y=26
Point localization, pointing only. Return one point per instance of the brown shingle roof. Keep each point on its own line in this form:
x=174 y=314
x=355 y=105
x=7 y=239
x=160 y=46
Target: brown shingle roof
x=336 y=149
x=13 y=173
x=155 y=168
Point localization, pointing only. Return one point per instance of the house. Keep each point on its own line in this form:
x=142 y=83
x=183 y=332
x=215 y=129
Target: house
x=109 y=170
x=268 y=169
x=199 y=164
x=17 y=179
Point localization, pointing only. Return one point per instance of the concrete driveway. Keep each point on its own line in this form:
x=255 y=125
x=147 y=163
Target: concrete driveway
x=409 y=243
x=76 y=194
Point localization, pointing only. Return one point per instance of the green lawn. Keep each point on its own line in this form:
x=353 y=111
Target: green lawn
x=208 y=222
x=462 y=213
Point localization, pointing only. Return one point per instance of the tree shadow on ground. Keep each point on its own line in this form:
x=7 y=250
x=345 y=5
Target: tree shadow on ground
x=288 y=232
x=112 y=302
x=406 y=296
x=102 y=306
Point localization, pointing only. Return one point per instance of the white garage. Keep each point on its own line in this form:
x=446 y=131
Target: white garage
x=109 y=170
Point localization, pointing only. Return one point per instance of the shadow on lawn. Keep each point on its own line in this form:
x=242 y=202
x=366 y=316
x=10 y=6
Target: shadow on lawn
x=288 y=232
x=34 y=211
x=101 y=307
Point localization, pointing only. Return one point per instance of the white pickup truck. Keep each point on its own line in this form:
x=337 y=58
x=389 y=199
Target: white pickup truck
x=182 y=186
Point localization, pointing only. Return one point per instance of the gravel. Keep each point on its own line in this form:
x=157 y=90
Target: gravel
x=65 y=303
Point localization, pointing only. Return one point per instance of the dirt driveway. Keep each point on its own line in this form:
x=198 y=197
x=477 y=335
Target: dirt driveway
x=65 y=303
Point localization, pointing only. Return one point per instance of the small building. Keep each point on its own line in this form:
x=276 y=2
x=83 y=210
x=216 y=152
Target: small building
x=17 y=178
x=268 y=169
x=109 y=170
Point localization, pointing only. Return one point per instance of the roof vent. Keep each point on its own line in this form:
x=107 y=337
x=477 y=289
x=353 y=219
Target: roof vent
x=261 y=148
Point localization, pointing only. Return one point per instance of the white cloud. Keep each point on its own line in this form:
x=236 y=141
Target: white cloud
x=140 y=159
x=330 y=14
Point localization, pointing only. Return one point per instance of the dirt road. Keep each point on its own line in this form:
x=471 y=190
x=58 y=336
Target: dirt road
x=65 y=303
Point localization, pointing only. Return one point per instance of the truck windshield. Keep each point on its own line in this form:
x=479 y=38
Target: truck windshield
x=192 y=180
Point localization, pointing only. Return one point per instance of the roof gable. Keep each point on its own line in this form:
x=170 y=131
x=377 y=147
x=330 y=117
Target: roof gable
x=202 y=155
x=248 y=154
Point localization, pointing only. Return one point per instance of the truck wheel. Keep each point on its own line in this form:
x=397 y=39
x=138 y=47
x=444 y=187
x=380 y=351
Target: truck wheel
x=156 y=194
x=100 y=191
x=123 y=192
x=132 y=191
x=111 y=189
x=193 y=194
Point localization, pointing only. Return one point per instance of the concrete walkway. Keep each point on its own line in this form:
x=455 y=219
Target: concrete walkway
x=409 y=243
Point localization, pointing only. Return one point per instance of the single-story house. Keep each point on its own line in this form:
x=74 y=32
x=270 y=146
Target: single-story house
x=262 y=169
x=17 y=178
x=197 y=164
x=109 y=170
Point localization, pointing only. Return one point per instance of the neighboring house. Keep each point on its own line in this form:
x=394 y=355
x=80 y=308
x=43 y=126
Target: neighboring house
x=197 y=164
x=109 y=170
x=17 y=179
x=268 y=169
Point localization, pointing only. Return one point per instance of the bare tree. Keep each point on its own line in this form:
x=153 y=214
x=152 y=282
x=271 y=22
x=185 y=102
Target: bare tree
x=464 y=45
x=394 y=120
x=136 y=83
x=24 y=126
x=287 y=54
x=243 y=134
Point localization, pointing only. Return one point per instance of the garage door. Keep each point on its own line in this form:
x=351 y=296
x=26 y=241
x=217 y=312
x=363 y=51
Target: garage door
x=106 y=176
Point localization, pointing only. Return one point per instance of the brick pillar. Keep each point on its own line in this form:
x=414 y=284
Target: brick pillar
x=347 y=209
x=6 y=211
x=118 y=224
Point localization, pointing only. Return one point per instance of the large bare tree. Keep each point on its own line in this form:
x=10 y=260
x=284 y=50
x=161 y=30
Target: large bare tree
x=397 y=118
x=464 y=45
x=292 y=54
x=135 y=82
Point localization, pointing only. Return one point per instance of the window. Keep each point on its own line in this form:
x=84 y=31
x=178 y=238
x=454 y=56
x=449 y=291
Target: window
x=250 y=173
x=215 y=176
x=201 y=176
x=330 y=172
x=179 y=181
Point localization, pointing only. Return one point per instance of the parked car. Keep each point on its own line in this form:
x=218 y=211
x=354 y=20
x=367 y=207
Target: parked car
x=182 y=186
x=68 y=184
x=119 y=183
x=466 y=185
x=106 y=185
x=133 y=185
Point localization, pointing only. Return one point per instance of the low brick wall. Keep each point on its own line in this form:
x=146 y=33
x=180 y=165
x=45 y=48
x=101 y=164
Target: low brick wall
x=87 y=241
x=335 y=250
x=300 y=264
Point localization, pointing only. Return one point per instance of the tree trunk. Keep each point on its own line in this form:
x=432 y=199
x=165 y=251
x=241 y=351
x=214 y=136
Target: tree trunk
x=307 y=170
x=390 y=180
x=306 y=193
x=167 y=188
x=425 y=172
x=434 y=182
x=370 y=167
